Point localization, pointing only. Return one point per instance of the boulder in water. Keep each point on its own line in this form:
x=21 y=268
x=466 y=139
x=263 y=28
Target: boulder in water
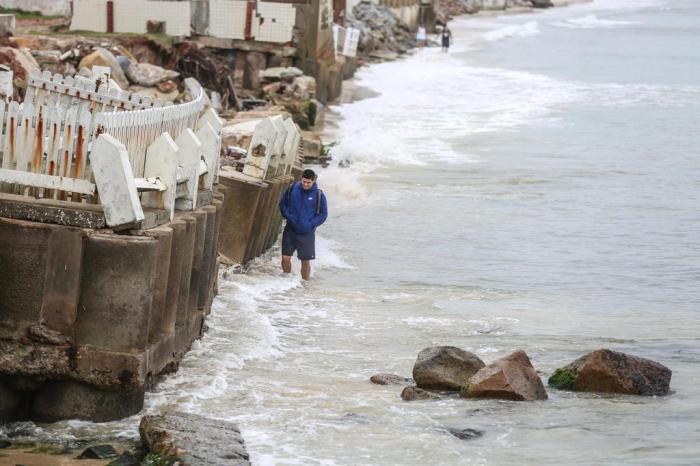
x=389 y=379
x=466 y=434
x=608 y=371
x=415 y=393
x=508 y=378
x=445 y=368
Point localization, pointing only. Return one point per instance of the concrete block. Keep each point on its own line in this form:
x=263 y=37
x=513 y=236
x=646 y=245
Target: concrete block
x=67 y=399
x=7 y=25
x=238 y=217
x=161 y=162
x=115 y=301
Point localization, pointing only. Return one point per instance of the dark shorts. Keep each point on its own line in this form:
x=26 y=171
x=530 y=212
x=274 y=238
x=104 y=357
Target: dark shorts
x=304 y=245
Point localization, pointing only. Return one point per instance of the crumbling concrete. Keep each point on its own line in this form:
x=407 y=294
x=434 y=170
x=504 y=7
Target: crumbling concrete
x=89 y=318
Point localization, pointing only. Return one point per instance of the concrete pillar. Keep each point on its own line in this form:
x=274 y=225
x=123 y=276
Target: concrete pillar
x=157 y=325
x=209 y=256
x=62 y=280
x=116 y=290
x=258 y=223
x=254 y=63
x=23 y=253
x=197 y=264
x=182 y=320
x=67 y=399
x=238 y=216
x=10 y=401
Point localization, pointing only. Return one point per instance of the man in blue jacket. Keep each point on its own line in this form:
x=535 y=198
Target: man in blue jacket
x=304 y=207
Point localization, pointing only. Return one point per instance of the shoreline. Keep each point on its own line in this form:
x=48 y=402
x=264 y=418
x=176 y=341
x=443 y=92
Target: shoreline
x=354 y=89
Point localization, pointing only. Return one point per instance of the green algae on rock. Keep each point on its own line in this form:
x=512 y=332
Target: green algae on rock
x=562 y=379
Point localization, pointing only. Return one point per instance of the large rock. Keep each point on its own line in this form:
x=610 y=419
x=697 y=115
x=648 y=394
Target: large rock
x=103 y=57
x=304 y=87
x=445 y=368
x=608 y=371
x=194 y=440
x=508 y=378
x=147 y=75
x=20 y=61
x=278 y=73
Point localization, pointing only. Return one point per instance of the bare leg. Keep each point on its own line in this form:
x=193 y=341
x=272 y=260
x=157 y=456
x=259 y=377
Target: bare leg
x=286 y=264
x=305 y=269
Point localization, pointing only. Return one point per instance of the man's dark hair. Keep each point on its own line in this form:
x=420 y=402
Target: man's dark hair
x=309 y=174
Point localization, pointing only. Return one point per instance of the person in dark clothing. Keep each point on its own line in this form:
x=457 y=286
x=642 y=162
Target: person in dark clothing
x=304 y=207
x=446 y=38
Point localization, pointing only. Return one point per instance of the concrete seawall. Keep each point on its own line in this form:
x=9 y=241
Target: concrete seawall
x=89 y=318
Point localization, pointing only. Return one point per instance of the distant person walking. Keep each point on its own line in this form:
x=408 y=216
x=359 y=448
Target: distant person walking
x=446 y=38
x=304 y=207
x=420 y=36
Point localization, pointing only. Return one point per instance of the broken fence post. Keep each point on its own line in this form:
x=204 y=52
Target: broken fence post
x=161 y=163
x=189 y=155
x=115 y=182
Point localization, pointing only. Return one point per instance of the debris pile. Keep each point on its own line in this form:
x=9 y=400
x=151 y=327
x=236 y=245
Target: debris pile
x=382 y=34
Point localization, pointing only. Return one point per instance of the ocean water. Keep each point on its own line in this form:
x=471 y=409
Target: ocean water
x=536 y=188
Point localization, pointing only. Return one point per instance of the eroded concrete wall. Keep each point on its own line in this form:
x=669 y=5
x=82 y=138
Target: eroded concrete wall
x=89 y=318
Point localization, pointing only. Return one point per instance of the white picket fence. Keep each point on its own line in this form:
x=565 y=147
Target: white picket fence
x=273 y=149
x=80 y=139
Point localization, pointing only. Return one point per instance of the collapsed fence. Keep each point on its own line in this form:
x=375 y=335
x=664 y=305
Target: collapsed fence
x=87 y=141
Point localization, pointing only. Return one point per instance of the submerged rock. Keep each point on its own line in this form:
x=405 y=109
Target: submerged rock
x=194 y=440
x=466 y=434
x=99 y=452
x=508 y=378
x=445 y=368
x=608 y=371
x=389 y=379
x=126 y=459
x=415 y=393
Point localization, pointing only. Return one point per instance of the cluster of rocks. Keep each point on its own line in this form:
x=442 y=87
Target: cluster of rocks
x=448 y=9
x=382 y=34
x=291 y=89
x=178 y=439
x=73 y=56
x=442 y=369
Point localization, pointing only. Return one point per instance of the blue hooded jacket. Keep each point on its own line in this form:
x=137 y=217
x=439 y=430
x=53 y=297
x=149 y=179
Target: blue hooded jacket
x=299 y=208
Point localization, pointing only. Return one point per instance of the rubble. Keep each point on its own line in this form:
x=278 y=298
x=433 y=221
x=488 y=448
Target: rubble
x=380 y=29
x=145 y=74
x=20 y=61
x=103 y=57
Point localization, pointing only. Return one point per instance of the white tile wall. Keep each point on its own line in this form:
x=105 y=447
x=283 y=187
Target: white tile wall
x=278 y=22
x=89 y=15
x=132 y=15
x=227 y=19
